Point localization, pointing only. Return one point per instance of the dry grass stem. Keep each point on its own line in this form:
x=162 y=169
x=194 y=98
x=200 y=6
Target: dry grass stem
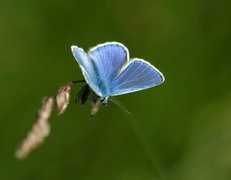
x=39 y=131
x=62 y=98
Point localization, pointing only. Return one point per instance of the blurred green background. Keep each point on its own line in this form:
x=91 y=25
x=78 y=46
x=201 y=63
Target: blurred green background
x=181 y=130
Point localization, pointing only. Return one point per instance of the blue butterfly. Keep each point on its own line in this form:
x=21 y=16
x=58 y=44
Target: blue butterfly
x=108 y=71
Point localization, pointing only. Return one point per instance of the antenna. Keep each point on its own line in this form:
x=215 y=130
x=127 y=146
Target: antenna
x=118 y=103
x=142 y=137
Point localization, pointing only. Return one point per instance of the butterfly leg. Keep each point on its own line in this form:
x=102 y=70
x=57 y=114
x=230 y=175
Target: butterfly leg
x=78 y=81
x=82 y=95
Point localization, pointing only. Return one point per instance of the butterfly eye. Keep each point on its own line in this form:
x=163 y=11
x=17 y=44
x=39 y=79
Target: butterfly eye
x=104 y=100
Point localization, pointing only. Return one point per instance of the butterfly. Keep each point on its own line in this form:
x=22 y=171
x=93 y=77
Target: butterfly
x=109 y=71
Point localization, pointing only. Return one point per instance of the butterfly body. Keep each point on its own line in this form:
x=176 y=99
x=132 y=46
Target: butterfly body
x=87 y=94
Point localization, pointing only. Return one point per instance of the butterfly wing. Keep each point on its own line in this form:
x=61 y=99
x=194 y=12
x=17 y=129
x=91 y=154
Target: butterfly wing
x=87 y=68
x=107 y=71
x=108 y=59
x=136 y=76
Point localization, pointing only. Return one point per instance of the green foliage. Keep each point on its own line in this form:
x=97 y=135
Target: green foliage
x=180 y=130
